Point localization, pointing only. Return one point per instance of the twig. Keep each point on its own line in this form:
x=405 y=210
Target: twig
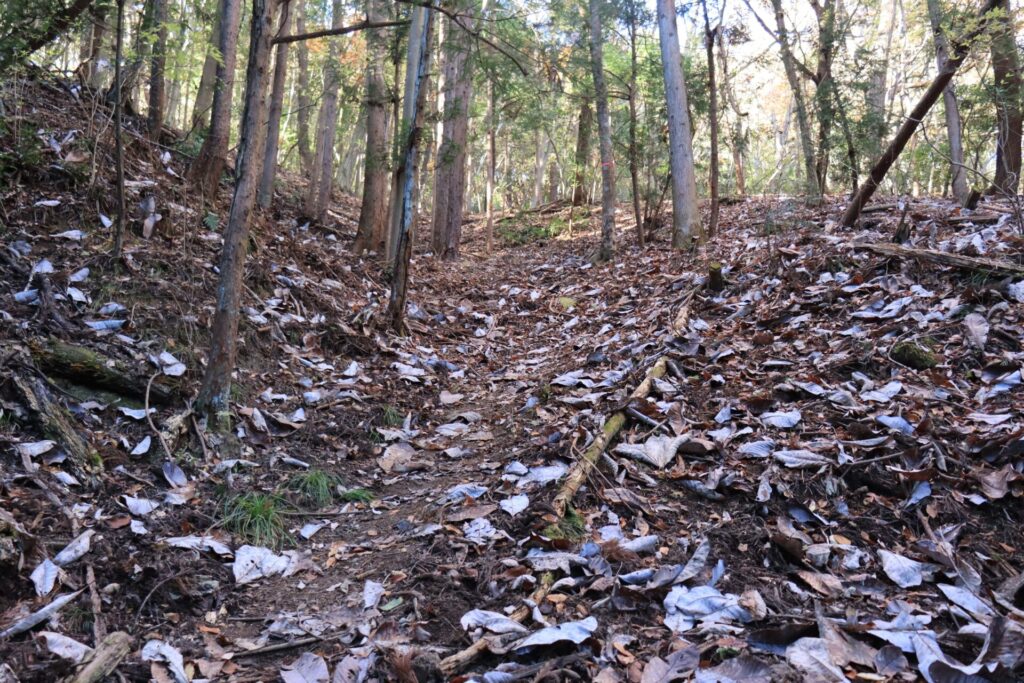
x=99 y=629
x=149 y=419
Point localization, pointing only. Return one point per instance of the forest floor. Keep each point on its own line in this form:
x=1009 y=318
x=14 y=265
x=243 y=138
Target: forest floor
x=824 y=485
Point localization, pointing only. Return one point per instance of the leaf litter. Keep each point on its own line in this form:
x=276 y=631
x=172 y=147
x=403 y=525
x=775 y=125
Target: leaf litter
x=825 y=484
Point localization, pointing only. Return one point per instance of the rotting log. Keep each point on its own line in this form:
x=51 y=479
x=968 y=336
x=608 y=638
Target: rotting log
x=56 y=424
x=92 y=369
x=581 y=468
x=457 y=661
x=104 y=659
x=960 y=50
x=974 y=263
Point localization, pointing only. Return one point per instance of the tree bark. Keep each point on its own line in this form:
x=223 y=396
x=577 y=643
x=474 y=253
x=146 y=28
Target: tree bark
x=1006 y=71
x=321 y=178
x=304 y=104
x=269 y=173
x=215 y=394
x=209 y=164
x=491 y=160
x=634 y=153
x=709 y=47
x=540 y=166
x=685 y=212
x=737 y=142
x=960 y=49
x=604 y=134
x=158 y=61
x=417 y=63
x=450 y=185
x=579 y=191
x=373 y=212
x=954 y=130
x=802 y=120
x=208 y=80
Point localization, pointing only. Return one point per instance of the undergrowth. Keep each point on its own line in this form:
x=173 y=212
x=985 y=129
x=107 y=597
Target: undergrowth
x=257 y=517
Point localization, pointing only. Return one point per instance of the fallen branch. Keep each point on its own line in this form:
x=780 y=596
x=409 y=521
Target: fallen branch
x=104 y=659
x=455 y=662
x=92 y=369
x=56 y=424
x=581 y=468
x=975 y=263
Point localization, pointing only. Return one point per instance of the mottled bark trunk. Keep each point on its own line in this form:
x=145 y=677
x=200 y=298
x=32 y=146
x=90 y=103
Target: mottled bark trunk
x=215 y=394
x=686 y=224
x=373 y=213
x=1006 y=71
x=266 y=191
x=303 y=104
x=604 y=134
x=634 y=152
x=954 y=131
x=579 y=190
x=208 y=81
x=158 y=62
x=709 y=47
x=209 y=164
x=491 y=154
x=737 y=138
x=800 y=104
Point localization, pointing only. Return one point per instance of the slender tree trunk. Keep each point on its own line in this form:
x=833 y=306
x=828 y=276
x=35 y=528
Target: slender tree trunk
x=118 y=131
x=303 y=103
x=158 y=62
x=1006 y=70
x=579 y=191
x=709 y=46
x=824 y=96
x=96 y=32
x=450 y=179
x=321 y=179
x=685 y=211
x=540 y=166
x=954 y=131
x=209 y=164
x=604 y=134
x=634 y=153
x=958 y=54
x=215 y=394
x=416 y=68
x=373 y=213
x=802 y=120
x=265 y=194
x=737 y=142
x=491 y=154
x=208 y=81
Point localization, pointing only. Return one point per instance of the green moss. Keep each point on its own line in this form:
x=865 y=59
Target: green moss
x=914 y=355
x=356 y=496
x=572 y=527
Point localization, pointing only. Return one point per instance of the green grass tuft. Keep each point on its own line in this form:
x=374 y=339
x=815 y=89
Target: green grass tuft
x=257 y=517
x=356 y=496
x=314 y=488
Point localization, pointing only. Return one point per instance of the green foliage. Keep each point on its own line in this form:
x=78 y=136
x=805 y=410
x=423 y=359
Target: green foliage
x=211 y=221
x=357 y=495
x=256 y=517
x=314 y=488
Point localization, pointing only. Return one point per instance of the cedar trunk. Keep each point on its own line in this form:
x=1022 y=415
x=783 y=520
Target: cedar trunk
x=373 y=213
x=266 y=191
x=158 y=61
x=579 y=192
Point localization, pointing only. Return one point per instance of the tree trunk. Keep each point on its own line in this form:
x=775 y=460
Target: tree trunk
x=960 y=49
x=634 y=153
x=604 y=135
x=208 y=81
x=1006 y=71
x=685 y=211
x=158 y=61
x=215 y=394
x=824 y=86
x=374 y=209
x=709 y=46
x=954 y=131
x=94 y=51
x=579 y=191
x=450 y=182
x=491 y=154
x=269 y=172
x=321 y=179
x=304 y=104
x=737 y=142
x=416 y=67
x=540 y=167
x=802 y=121
x=209 y=165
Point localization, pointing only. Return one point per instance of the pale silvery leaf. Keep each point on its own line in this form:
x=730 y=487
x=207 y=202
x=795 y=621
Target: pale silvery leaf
x=75 y=549
x=159 y=651
x=34 y=448
x=308 y=668
x=64 y=647
x=372 y=593
x=492 y=621
x=976 y=327
x=572 y=631
x=516 y=504
x=253 y=563
x=143 y=446
x=136 y=413
x=140 y=506
x=903 y=571
x=800 y=458
x=757 y=449
x=782 y=420
x=44 y=577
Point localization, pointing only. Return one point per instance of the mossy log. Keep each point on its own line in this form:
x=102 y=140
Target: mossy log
x=56 y=424
x=92 y=369
x=581 y=468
